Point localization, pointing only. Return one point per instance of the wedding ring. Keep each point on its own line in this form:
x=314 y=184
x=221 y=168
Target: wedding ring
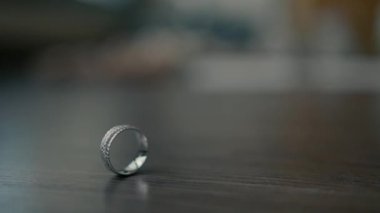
x=141 y=155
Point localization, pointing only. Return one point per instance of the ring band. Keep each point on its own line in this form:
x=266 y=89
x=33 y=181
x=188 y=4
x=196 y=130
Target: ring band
x=105 y=148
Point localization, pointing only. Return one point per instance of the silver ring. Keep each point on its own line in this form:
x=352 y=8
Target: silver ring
x=139 y=160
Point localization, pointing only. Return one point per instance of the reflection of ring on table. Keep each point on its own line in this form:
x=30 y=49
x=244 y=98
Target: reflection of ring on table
x=105 y=148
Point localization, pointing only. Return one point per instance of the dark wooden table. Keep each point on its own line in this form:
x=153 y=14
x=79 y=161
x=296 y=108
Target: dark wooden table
x=221 y=152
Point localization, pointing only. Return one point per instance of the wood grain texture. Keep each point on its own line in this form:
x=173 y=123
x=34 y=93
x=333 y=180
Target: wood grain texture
x=208 y=153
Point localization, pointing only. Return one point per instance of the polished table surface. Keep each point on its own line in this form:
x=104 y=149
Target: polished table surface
x=209 y=152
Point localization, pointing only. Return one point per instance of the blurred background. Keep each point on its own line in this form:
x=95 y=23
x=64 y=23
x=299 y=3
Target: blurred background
x=206 y=44
x=256 y=90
